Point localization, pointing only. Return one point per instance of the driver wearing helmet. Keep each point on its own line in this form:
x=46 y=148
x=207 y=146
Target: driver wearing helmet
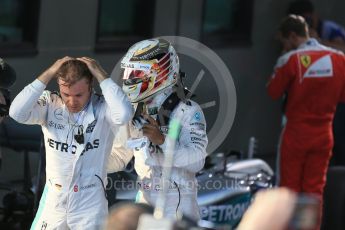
x=150 y=72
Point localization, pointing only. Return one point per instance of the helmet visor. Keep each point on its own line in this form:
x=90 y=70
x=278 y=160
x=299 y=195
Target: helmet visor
x=132 y=76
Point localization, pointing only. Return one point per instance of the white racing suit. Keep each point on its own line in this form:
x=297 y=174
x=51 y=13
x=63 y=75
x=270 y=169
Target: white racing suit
x=189 y=158
x=74 y=193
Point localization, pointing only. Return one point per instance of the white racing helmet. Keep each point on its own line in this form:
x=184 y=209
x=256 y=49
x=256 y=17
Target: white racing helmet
x=149 y=67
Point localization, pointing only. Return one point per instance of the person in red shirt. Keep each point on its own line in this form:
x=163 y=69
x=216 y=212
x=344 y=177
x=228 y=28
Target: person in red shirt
x=313 y=76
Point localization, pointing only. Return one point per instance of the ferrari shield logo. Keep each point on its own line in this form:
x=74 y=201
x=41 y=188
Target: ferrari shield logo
x=305 y=60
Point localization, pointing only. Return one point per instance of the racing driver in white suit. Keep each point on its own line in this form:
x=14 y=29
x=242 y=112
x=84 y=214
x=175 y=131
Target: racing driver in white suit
x=150 y=72
x=79 y=128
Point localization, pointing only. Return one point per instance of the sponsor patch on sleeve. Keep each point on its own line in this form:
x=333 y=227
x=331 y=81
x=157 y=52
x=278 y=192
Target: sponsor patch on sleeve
x=320 y=68
x=197 y=116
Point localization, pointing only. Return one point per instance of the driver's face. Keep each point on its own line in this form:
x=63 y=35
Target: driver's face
x=75 y=96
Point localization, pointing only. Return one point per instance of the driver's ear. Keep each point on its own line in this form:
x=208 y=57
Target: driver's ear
x=90 y=87
x=58 y=81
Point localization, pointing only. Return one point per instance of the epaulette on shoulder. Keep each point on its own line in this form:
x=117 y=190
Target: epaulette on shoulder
x=55 y=93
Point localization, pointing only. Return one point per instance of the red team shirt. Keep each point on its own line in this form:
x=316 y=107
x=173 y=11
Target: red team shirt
x=314 y=78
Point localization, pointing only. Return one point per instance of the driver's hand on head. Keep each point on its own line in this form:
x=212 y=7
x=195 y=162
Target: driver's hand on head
x=56 y=66
x=95 y=68
x=51 y=72
x=152 y=132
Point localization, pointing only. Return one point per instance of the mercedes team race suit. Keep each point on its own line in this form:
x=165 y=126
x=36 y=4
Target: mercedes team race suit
x=314 y=78
x=189 y=158
x=74 y=194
